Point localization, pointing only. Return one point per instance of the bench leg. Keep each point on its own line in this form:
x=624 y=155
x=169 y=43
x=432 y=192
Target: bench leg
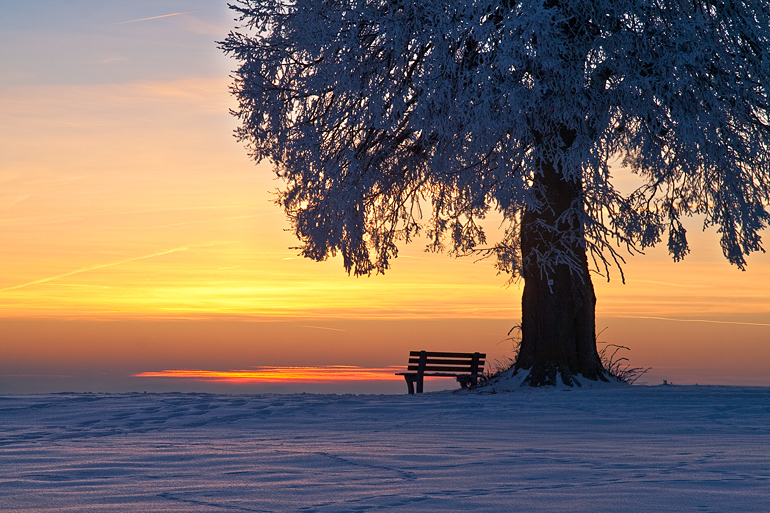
x=419 y=384
x=409 y=383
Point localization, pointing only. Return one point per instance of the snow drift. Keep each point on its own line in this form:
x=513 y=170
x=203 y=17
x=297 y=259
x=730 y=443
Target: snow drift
x=630 y=449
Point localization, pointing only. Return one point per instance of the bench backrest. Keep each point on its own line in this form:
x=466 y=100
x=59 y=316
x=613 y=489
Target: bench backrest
x=430 y=361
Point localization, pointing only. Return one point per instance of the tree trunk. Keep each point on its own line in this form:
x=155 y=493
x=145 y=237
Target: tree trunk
x=558 y=304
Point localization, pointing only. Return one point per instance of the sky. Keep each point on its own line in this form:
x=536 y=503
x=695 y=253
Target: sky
x=138 y=237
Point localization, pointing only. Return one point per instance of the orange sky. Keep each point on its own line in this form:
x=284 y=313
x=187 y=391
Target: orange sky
x=128 y=212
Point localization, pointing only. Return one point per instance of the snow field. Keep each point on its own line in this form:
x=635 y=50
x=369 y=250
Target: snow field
x=630 y=449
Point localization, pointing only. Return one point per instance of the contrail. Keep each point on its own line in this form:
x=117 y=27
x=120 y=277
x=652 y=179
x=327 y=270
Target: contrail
x=321 y=328
x=670 y=284
x=112 y=264
x=696 y=320
x=156 y=17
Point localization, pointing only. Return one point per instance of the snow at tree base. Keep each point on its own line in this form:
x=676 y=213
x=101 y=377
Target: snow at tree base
x=387 y=120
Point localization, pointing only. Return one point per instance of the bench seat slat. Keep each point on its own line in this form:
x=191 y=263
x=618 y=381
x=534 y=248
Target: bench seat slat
x=431 y=368
x=444 y=361
x=445 y=374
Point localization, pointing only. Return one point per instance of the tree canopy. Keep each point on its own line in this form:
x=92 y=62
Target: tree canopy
x=373 y=109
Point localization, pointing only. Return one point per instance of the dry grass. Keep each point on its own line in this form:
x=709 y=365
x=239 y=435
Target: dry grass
x=618 y=367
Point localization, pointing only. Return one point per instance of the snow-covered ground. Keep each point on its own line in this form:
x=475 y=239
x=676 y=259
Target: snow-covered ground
x=646 y=449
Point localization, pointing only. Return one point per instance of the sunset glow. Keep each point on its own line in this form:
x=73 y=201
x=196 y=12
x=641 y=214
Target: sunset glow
x=138 y=234
x=330 y=373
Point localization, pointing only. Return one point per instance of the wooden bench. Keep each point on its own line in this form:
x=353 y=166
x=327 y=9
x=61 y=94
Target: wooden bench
x=466 y=367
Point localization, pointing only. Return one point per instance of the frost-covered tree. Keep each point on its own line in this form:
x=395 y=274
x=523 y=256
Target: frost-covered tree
x=391 y=118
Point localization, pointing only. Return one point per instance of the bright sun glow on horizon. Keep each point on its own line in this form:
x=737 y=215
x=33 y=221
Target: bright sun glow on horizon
x=329 y=373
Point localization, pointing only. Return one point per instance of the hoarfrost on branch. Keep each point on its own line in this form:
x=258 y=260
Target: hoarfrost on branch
x=386 y=119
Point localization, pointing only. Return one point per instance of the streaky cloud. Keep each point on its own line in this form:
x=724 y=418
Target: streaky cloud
x=673 y=284
x=328 y=373
x=322 y=328
x=158 y=17
x=710 y=321
x=112 y=264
